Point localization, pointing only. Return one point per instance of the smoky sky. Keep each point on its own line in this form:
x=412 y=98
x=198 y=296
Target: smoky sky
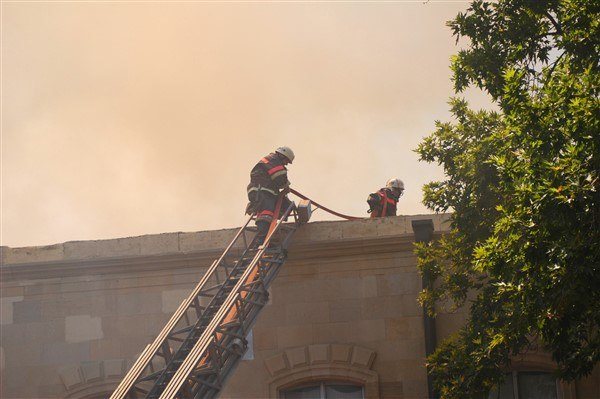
x=123 y=119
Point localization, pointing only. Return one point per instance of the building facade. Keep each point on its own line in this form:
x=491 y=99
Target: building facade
x=342 y=319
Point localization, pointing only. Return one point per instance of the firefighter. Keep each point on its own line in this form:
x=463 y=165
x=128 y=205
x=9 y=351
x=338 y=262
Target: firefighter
x=267 y=179
x=383 y=202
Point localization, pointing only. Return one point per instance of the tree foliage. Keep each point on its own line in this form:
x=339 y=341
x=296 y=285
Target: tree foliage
x=523 y=184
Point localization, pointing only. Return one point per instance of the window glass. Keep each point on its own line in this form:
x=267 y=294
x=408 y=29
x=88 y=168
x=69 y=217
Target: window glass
x=343 y=392
x=536 y=385
x=313 y=392
x=505 y=391
x=332 y=390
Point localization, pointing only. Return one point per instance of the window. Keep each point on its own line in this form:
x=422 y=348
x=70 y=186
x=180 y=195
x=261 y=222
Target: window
x=526 y=385
x=324 y=390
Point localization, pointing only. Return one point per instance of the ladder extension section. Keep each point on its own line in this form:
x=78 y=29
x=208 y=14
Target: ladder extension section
x=206 y=336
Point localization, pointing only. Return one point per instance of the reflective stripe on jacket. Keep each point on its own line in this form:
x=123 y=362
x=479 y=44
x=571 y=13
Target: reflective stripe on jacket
x=386 y=203
x=265 y=215
x=269 y=174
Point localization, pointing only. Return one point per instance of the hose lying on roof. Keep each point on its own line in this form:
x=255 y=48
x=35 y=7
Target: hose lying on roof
x=324 y=208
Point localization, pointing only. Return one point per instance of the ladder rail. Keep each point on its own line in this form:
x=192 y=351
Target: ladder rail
x=217 y=340
x=195 y=329
x=199 y=350
x=151 y=350
x=247 y=318
x=248 y=304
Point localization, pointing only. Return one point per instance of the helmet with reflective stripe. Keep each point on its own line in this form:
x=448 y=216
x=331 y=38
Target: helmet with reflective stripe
x=286 y=152
x=395 y=183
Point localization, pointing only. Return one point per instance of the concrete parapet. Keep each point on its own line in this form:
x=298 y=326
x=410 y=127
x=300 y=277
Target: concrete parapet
x=184 y=242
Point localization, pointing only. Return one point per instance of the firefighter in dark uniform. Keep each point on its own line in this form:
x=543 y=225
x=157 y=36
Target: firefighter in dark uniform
x=267 y=179
x=384 y=202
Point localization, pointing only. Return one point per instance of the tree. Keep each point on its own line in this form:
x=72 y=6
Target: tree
x=523 y=184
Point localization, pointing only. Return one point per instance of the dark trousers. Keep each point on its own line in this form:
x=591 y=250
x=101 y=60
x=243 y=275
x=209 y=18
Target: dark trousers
x=264 y=204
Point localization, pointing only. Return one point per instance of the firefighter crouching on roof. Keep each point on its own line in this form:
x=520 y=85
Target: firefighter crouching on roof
x=267 y=179
x=383 y=202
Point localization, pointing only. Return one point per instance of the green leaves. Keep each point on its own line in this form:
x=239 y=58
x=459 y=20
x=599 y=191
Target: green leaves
x=524 y=188
x=521 y=34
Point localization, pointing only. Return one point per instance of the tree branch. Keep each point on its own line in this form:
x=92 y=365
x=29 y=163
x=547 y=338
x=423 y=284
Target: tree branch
x=543 y=35
x=554 y=23
x=554 y=64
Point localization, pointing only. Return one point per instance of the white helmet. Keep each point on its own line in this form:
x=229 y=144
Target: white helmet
x=286 y=152
x=395 y=183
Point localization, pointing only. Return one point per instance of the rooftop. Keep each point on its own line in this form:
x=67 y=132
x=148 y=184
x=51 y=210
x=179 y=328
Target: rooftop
x=67 y=258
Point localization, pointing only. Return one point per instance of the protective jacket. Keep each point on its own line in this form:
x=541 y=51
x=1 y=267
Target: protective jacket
x=267 y=179
x=382 y=203
x=269 y=175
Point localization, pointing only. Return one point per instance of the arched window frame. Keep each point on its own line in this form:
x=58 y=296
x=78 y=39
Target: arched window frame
x=326 y=362
x=537 y=361
x=92 y=380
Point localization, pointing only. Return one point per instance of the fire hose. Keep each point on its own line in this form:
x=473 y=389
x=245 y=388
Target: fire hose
x=304 y=197
x=319 y=206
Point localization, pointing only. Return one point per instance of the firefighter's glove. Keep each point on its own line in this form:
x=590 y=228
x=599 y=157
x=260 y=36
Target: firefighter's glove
x=373 y=201
x=250 y=209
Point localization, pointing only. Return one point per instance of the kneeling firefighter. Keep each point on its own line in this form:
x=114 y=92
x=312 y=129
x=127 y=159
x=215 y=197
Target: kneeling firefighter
x=267 y=179
x=384 y=202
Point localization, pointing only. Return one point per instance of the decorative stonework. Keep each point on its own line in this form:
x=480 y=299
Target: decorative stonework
x=92 y=379
x=323 y=362
x=297 y=357
x=340 y=353
x=319 y=353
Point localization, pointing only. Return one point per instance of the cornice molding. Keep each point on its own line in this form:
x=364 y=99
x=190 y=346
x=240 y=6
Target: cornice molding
x=303 y=250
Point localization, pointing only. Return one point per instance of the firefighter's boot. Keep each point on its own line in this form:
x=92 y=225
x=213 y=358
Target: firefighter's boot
x=261 y=234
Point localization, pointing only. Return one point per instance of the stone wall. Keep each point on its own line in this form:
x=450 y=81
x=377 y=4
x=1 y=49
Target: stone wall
x=343 y=307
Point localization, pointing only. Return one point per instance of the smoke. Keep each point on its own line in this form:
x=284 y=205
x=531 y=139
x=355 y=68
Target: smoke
x=135 y=118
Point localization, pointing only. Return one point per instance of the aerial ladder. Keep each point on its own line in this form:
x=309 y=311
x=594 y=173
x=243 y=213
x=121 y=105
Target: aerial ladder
x=206 y=336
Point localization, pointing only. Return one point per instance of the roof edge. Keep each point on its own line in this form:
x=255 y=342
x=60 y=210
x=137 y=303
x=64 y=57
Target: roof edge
x=176 y=244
